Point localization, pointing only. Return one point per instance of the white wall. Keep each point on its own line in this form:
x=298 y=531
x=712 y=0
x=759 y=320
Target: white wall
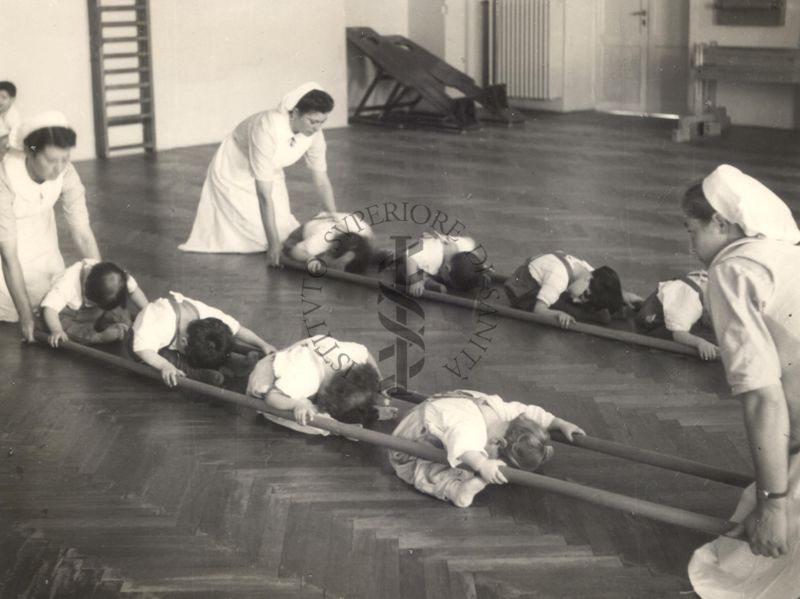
x=580 y=48
x=44 y=50
x=214 y=61
x=751 y=104
x=386 y=17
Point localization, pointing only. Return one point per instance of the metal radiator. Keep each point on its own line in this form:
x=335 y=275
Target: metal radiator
x=529 y=47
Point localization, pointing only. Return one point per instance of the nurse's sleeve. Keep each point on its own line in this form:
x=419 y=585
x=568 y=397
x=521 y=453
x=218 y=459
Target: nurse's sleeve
x=73 y=199
x=8 y=222
x=315 y=156
x=737 y=291
x=261 y=150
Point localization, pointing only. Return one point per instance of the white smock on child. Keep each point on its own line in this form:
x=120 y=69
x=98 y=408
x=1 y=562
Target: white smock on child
x=229 y=217
x=435 y=248
x=752 y=295
x=454 y=422
x=67 y=290
x=155 y=326
x=681 y=303
x=300 y=370
x=551 y=273
x=319 y=233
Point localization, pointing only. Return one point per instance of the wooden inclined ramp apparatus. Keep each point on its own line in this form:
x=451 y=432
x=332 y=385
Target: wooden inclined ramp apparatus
x=419 y=84
x=637 y=507
x=471 y=304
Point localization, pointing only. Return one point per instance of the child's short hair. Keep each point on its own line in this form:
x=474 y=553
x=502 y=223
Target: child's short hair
x=359 y=245
x=696 y=205
x=526 y=444
x=315 y=101
x=107 y=286
x=350 y=396
x=10 y=88
x=605 y=290
x=208 y=343
x=465 y=272
x=60 y=137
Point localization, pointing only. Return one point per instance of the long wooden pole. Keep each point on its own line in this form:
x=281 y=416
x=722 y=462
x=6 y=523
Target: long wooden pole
x=635 y=454
x=630 y=505
x=454 y=300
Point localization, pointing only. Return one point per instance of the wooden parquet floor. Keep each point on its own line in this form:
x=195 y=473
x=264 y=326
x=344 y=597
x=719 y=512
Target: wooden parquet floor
x=111 y=486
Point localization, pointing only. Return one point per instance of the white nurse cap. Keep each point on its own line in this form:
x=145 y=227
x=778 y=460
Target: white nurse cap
x=747 y=202
x=291 y=99
x=51 y=118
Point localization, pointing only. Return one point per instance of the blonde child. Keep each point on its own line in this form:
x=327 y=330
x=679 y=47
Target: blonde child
x=480 y=431
x=318 y=375
x=180 y=336
x=674 y=308
x=88 y=303
x=443 y=262
x=333 y=240
x=9 y=115
x=564 y=286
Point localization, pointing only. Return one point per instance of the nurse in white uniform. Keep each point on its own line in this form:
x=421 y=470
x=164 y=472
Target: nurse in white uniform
x=746 y=235
x=244 y=205
x=34 y=175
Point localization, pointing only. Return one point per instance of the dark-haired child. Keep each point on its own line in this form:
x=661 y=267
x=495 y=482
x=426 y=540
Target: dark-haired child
x=88 y=303
x=480 y=431
x=9 y=115
x=319 y=375
x=443 y=262
x=558 y=283
x=179 y=336
x=337 y=239
x=673 y=310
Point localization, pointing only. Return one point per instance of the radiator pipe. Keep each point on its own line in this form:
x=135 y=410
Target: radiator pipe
x=485 y=44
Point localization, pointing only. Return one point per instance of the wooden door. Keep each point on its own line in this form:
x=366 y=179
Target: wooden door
x=667 y=56
x=622 y=55
x=643 y=56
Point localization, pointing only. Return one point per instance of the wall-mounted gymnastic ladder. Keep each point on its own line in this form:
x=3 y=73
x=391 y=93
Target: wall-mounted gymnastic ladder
x=122 y=75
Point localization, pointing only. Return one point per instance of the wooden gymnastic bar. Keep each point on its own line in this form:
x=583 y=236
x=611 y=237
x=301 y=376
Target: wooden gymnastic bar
x=630 y=505
x=635 y=454
x=454 y=300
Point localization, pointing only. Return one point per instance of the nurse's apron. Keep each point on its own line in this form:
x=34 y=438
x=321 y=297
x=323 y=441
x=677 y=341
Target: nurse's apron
x=228 y=217
x=37 y=235
x=727 y=569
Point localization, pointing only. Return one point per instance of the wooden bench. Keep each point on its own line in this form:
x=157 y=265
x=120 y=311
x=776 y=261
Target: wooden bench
x=712 y=63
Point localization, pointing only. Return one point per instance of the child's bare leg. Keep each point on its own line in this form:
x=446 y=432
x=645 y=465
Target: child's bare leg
x=467 y=489
x=440 y=480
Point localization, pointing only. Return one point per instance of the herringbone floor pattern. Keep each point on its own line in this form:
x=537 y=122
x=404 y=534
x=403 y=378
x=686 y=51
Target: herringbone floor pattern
x=117 y=487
